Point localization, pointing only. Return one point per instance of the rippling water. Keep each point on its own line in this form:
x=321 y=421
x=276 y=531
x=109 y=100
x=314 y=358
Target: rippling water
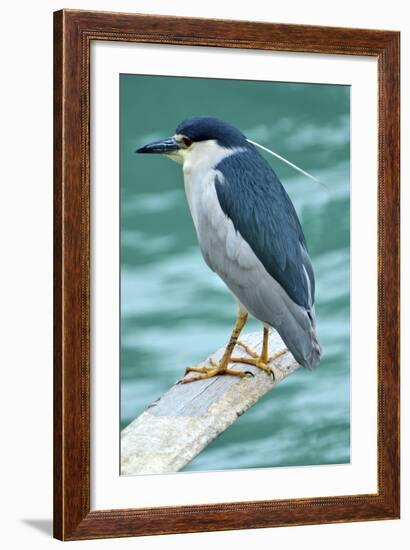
x=175 y=311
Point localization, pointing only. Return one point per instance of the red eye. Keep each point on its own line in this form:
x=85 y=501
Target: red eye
x=187 y=142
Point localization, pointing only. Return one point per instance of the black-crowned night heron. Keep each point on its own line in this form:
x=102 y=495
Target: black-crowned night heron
x=250 y=235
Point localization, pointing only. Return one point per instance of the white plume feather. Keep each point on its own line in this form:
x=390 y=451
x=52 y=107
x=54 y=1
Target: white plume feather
x=284 y=160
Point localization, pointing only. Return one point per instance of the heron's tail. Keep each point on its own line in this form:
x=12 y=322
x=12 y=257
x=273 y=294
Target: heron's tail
x=312 y=360
x=300 y=337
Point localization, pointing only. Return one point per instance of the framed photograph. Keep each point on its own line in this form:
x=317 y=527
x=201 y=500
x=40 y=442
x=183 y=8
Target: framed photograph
x=226 y=275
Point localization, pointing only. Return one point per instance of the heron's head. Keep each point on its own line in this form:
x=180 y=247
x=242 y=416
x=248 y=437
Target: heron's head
x=196 y=135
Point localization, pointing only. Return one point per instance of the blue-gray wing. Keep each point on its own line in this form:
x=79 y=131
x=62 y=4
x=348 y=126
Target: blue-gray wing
x=252 y=196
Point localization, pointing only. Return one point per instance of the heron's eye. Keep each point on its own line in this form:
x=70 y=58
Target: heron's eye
x=187 y=141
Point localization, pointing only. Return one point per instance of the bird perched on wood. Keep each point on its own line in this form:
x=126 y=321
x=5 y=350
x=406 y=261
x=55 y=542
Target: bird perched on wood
x=250 y=235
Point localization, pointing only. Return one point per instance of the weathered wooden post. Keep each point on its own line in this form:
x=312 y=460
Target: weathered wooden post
x=177 y=427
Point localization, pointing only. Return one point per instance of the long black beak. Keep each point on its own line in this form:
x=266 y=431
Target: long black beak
x=163 y=146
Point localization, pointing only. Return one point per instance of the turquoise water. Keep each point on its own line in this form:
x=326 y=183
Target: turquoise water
x=175 y=311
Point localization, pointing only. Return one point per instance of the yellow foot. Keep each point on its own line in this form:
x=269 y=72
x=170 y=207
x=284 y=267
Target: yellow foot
x=255 y=355
x=209 y=372
x=257 y=360
x=248 y=350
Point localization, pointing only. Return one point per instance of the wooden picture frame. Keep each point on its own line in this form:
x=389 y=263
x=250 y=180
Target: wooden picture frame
x=74 y=32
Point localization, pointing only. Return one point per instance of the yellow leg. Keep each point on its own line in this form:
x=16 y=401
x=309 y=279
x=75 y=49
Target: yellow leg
x=265 y=346
x=222 y=366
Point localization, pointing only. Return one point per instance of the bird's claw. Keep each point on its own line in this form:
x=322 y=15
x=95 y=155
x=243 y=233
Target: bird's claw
x=216 y=369
x=256 y=363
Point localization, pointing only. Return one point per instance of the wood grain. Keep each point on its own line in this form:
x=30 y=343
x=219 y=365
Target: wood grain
x=73 y=33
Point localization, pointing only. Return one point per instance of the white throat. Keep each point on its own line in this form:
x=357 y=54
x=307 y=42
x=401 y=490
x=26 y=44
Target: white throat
x=199 y=167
